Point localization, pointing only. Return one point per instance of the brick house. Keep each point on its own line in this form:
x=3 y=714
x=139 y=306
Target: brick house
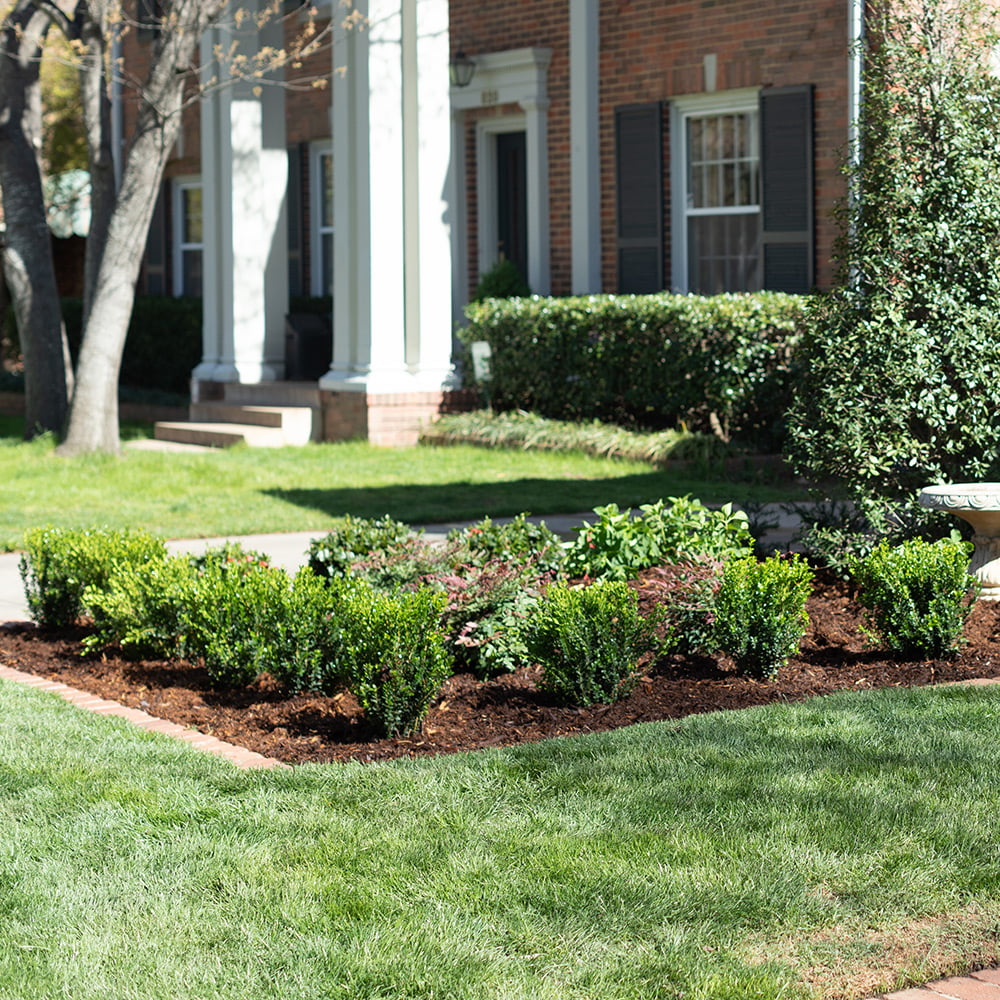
x=621 y=146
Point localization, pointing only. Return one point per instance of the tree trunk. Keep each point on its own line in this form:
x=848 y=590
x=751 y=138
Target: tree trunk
x=96 y=108
x=93 y=424
x=27 y=256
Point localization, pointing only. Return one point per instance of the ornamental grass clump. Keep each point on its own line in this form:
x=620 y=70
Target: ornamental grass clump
x=918 y=595
x=589 y=642
x=760 y=612
x=60 y=563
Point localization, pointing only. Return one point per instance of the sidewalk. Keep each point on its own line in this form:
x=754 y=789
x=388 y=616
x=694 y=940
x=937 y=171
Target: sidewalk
x=288 y=550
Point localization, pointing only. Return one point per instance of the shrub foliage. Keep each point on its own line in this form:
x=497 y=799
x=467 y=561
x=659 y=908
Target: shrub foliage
x=760 y=612
x=917 y=595
x=896 y=385
x=719 y=363
x=589 y=641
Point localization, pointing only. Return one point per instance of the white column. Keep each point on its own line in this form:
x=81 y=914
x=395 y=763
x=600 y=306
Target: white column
x=536 y=113
x=245 y=175
x=585 y=164
x=438 y=160
x=392 y=147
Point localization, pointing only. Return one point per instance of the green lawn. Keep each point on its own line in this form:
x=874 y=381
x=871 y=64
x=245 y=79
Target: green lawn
x=241 y=491
x=849 y=842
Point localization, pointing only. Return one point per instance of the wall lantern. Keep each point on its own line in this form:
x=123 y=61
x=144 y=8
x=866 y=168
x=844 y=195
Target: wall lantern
x=461 y=69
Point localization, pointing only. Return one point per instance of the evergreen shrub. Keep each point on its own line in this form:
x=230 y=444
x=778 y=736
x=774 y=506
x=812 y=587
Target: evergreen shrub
x=589 y=641
x=394 y=655
x=355 y=540
x=518 y=540
x=896 y=383
x=59 y=564
x=502 y=281
x=918 y=595
x=759 y=612
x=718 y=364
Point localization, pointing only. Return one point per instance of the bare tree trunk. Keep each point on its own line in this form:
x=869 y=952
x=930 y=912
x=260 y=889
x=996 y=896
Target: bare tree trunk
x=96 y=107
x=27 y=256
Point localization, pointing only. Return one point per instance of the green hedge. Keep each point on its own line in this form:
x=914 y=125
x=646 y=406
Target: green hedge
x=164 y=338
x=162 y=348
x=716 y=363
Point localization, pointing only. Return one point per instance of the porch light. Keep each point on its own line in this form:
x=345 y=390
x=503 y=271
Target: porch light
x=461 y=69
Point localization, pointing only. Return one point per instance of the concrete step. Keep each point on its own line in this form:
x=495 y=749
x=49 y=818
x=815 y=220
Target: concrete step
x=219 y=435
x=272 y=394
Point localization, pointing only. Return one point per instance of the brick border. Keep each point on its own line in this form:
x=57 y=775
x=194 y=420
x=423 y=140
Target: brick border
x=239 y=756
x=983 y=985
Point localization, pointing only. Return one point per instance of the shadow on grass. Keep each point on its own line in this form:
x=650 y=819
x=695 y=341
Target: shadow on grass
x=418 y=503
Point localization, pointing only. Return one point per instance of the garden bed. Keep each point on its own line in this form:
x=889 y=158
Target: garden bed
x=469 y=714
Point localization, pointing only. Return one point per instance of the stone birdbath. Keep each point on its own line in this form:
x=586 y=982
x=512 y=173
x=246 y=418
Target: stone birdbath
x=979 y=504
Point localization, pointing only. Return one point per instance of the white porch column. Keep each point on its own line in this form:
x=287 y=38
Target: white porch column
x=536 y=115
x=392 y=151
x=245 y=245
x=585 y=164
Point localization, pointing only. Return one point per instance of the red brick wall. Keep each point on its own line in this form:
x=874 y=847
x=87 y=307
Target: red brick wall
x=651 y=50
x=513 y=24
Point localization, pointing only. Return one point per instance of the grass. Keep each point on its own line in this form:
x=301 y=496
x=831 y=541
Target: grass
x=821 y=849
x=245 y=491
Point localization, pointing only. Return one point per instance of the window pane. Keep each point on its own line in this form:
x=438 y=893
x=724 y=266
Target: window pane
x=723 y=253
x=192 y=229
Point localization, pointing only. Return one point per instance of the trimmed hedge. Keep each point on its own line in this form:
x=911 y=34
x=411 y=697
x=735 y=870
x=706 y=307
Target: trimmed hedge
x=718 y=363
x=163 y=345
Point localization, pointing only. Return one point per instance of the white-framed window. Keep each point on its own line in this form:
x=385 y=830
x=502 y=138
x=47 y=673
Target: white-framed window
x=715 y=179
x=321 y=227
x=188 y=233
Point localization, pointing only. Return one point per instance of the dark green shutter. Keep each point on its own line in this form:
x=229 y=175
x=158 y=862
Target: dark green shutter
x=786 y=159
x=639 y=164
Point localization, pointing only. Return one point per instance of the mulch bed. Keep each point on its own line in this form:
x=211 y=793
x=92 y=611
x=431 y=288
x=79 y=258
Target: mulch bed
x=470 y=714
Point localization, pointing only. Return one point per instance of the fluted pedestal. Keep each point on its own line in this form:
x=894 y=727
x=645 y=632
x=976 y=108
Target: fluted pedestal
x=979 y=504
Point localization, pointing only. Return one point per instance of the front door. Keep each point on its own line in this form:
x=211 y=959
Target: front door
x=512 y=199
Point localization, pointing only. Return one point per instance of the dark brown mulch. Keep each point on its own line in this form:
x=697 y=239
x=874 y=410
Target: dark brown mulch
x=470 y=714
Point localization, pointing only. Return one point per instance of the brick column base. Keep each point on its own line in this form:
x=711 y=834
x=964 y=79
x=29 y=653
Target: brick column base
x=390 y=419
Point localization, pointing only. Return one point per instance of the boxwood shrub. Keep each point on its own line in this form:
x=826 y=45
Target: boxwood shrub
x=716 y=363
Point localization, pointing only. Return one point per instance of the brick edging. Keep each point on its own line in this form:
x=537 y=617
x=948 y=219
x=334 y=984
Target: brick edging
x=239 y=756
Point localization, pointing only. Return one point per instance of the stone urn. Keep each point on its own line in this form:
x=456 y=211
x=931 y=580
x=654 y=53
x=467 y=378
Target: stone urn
x=979 y=504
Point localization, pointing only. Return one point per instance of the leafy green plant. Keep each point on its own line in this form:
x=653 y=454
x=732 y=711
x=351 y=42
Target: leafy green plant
x=918 y=595
x=618 y=545
x=502 y=281
x=141 y=607
x=356 y=539
x=245 y=618
x=895 y=385
x=519 y=540
x=488 y=606
x=718 y=364
x=589 y=641
x=394 y=655
x=59 y=564
x=759 y=612
x=686 y=592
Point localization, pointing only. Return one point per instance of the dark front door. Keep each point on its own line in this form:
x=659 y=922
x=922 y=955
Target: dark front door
x=512 y=199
